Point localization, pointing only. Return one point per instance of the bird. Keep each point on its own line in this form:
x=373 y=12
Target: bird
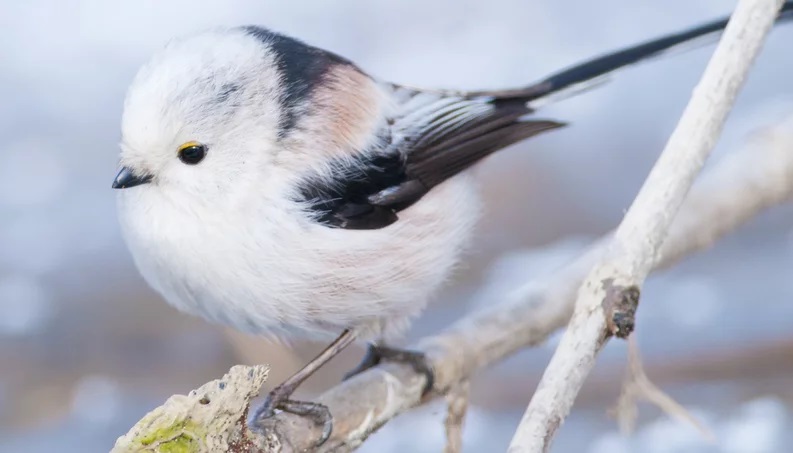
x=278 y=188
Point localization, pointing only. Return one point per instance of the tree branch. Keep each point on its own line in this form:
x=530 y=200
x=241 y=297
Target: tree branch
x=209 y=419
x=609 y=295
x=638 y=386
x=457 y=405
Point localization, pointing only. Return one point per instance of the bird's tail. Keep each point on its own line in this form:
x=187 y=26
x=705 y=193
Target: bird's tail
x=588 y=74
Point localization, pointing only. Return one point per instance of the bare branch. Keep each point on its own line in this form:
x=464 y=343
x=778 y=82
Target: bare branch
x=208 y=419
x=457 y=406
x=638 y=387
x=609 y=295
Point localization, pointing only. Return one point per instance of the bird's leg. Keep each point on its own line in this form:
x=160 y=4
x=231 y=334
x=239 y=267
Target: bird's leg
x=376 y=353
x=278 y=398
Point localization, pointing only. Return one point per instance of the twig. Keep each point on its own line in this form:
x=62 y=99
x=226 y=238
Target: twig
x=608 y=297
x=638 y=387
x=457 y=406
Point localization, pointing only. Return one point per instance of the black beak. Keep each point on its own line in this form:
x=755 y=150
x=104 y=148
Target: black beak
x=125 y=179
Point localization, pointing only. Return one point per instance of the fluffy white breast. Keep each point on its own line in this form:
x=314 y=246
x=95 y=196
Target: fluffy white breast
x=265 y=268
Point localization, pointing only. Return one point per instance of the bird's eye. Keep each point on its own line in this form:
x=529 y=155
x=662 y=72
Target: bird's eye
x=192 y=153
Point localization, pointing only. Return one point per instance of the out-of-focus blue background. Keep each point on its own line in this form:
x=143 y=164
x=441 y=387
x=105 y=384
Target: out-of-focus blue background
x=86 y=348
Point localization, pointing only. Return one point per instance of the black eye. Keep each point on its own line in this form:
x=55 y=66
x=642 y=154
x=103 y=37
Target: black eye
x=192 y=153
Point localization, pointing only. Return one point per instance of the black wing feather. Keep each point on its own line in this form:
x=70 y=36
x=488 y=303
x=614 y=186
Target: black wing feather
x=434 y=165
x=434 y=161
x=342 y=201
x=453 y=134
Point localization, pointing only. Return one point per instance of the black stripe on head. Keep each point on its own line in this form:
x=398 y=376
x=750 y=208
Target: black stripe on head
x=301 y=66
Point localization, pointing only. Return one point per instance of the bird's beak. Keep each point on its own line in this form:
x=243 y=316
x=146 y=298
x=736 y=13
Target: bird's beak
x=125 y=179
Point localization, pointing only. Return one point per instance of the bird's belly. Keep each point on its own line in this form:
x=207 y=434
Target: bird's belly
x=298 y=277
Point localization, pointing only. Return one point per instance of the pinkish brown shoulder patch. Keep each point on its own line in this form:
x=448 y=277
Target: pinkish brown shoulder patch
x=350 y=104
x=343 y=116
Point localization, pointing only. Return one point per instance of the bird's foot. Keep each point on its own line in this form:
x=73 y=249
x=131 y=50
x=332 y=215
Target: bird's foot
x=377 y=353
x=279 y=399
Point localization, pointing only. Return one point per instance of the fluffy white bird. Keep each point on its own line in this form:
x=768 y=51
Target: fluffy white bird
x=281 y=190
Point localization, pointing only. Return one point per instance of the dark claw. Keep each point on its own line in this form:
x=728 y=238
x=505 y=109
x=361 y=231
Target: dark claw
x=273 y=401
x=376 y=354
x=318 y=413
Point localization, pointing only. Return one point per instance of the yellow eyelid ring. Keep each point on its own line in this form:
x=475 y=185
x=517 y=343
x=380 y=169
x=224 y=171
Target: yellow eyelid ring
x=189 y=144
x=192 y=152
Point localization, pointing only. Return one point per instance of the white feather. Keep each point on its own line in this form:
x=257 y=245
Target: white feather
x=224 y=240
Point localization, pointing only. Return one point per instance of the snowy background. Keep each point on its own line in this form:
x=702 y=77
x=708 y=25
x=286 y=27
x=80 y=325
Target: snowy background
x=86 y=348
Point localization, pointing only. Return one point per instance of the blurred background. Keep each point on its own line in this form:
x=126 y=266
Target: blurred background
x=86 y=348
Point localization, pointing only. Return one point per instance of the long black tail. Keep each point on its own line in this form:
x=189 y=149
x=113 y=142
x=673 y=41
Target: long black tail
x=578 y=76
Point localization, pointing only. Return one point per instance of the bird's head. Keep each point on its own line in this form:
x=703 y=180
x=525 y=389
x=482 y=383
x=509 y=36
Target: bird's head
x=201 y=115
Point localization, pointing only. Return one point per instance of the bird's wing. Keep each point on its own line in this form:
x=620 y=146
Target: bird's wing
x=430 y=138
x=441 y=135
x=436 y=134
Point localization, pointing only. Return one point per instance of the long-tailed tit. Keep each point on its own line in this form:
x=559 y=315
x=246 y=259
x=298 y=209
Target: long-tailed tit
x=278 y=188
